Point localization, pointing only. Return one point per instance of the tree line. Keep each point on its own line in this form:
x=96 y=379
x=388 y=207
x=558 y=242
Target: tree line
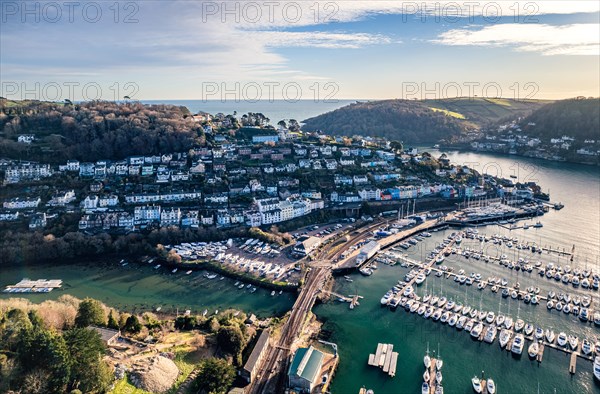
x=95 y=130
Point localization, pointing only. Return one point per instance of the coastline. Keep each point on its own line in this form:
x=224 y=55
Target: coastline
x=462 y=148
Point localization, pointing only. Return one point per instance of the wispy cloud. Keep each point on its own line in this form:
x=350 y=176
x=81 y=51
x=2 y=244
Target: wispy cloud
x=576 y=39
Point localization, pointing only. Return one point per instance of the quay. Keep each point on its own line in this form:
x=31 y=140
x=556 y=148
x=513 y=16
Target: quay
x=34 y=286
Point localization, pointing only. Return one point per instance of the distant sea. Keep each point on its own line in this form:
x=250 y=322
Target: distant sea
x=275 y=110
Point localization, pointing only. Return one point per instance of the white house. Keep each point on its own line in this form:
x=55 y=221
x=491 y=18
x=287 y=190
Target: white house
x=22 y=203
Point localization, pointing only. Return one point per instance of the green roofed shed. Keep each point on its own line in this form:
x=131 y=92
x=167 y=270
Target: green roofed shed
x=304 y=370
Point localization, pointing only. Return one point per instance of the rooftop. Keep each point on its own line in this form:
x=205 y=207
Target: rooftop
x=306 y=363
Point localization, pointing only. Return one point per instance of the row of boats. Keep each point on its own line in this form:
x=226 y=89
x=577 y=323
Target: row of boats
x=566 y=274
x=489 y=324
x=576 y=305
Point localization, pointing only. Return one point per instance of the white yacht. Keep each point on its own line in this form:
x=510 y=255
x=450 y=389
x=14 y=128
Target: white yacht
x=549 y=335
x=460 y=324
x=490 y=333
x=386 y=298
x=573 y=342
x=439 y=363
x=505 y=336
x=427 y=360
x=476 y=331
x=539 y=333
x=452 y=321
x=562 y=339
x=476 y=385
x=491 y=386
x=425 y=388
x=518 y=344
x=500 y=319
x=533 y=350
x=597 y=367
x=586 y=347
x=508 y=322
x=519 y=324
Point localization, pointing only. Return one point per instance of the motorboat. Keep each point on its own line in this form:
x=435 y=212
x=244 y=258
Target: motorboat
x=469 y=325
x=452 y=320
x=425 y=388
x=586 y=347
x=573 y=342
x=597 y=367
x=413 y=308
x=445 y=317
x=490 y=317
x=439 y=363
x=549 y=336
x=491 y=386
x=482 y=315
x=533 y=349
x=518 y=344
x=476 y=383
x=528 y=330
x=519 y=324
x=477 y=329
x=386 y=298
x=426 y=375
x=508 y=322
x=504 y=337
x=562 y=339
x=500 y=319
x=428 y=312
x=539 y=333
x=490 y=334
x=460 y=324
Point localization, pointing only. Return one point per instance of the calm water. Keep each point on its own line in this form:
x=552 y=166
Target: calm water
x=140 y=287
x=357 y=332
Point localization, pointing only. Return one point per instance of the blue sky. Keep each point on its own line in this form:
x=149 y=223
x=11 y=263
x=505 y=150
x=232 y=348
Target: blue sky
x=368 y=50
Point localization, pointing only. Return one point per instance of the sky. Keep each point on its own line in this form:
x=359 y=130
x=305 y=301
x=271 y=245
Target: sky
x=298 y=50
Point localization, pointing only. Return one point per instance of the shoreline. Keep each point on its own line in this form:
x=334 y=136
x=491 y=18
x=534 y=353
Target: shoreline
x=467 y=149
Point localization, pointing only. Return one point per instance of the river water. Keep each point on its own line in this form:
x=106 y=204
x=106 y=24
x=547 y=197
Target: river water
x=357 y=332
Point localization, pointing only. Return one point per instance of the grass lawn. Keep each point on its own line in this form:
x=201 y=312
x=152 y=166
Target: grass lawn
x=124 y=386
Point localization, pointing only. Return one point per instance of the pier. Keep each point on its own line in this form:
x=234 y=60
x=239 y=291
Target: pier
x=384 y=358
x=34 y=286
x=573 y=363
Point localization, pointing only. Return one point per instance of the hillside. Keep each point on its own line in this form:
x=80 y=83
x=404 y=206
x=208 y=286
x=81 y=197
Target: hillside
x=93 y=130
x=418 y=121
x=578 y=118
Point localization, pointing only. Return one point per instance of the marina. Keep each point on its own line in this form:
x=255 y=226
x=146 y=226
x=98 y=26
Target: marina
x=550 y=368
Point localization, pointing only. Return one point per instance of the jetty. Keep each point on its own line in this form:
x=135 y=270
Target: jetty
x=34 y=286
x=384 y=358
